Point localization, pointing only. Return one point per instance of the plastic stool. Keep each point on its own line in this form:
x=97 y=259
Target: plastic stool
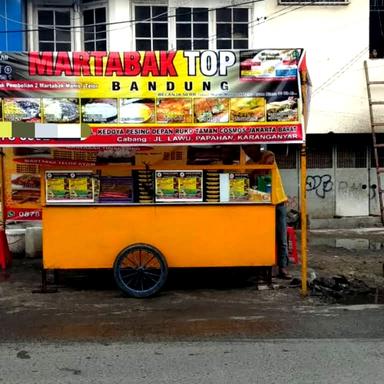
x=292 y=245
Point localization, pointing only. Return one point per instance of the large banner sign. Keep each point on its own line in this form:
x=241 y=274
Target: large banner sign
x=151 y=98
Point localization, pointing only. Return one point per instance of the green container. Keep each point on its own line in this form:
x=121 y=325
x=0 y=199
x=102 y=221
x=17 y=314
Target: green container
x=264 y=183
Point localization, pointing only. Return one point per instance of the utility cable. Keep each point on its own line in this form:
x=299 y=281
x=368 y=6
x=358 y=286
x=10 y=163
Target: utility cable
x=342 y=70
x=131 y=21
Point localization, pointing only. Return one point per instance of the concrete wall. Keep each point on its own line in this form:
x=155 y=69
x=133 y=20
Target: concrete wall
x=352 y=192
x=334 y=192
x=320 y=191
x=336 y=40
x=374 y=206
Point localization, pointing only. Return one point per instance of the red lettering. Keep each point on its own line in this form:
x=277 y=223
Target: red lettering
x=150 y=65
x=81 y=64
x=63 y=64
x=92 y=64
x=132 y=63
x=114 y=65
x=98 y=57
x=41 y=64
x=167 y=67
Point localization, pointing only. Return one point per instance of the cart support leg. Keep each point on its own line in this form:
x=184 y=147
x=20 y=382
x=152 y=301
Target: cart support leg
x=44 y=284
x=264 y=275
x=268 y=275
x=56 y=276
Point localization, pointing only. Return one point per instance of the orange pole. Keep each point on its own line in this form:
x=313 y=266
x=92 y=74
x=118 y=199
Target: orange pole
x=303 y=209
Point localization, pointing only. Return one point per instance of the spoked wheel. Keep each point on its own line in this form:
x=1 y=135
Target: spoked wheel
x=140 y=270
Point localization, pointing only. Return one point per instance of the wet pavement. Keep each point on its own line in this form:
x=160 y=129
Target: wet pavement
x=352 y=239
x=196 y=305
x=205 y=326
x=202 y=304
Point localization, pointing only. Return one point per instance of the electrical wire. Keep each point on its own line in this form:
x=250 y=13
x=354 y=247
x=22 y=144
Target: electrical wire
x=131 y=21
x=263 y=20
x=257 y=21
x=338 y=73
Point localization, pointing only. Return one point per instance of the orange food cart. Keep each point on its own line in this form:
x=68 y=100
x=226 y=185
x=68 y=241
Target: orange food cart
x=142 y=218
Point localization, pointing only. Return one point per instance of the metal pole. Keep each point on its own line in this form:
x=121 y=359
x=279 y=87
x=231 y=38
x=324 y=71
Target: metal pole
x=303 y=210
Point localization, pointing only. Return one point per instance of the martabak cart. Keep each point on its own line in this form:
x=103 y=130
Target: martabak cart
x=142 y=219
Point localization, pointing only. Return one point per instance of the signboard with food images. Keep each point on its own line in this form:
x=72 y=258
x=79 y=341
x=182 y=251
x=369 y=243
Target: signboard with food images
x=178 y=186
x=25 y=186
x=81 y=186
x=22 y=167
x=22 y=184
x=69 y=187
x=190 y=186
x=153 y=98
x=57 y=186
x=166 y=186
x=238 y=186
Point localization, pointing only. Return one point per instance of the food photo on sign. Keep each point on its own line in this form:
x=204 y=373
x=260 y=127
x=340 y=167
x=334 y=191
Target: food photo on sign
x=174 y=110
x=137 y=111
x=61 y=110
x=22 y=109
x=247 y=109
x=211 y=110
x=282 y=109
x=99 y=110
x=269 y=63
x=25 y=187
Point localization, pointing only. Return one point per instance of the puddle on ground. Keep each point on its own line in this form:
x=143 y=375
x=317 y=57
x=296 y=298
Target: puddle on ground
x=355 y=244
x=375 y=297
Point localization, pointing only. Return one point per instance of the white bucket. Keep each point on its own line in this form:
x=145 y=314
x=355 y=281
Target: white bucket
x=16 y=240
x=33 y=242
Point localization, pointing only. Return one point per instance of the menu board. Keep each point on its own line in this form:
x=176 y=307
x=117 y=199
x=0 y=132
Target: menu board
x=190 y=186
x=166 y=186
x=238 y=186
x=57 y=186
x=69 y=187
x=81 y=186
x=178 y=186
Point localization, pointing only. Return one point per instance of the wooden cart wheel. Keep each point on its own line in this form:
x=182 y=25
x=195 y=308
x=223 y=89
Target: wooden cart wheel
x=140 y=270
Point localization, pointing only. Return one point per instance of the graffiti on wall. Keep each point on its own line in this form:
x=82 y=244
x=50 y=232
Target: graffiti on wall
x=323 y=184
x=372 y=192
x=319 y=184
x=356 y=189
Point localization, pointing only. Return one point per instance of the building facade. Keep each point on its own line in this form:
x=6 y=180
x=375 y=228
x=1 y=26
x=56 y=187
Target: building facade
x=336 y=34
x=12 y=19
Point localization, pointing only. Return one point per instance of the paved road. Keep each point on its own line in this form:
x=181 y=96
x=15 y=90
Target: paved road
x=196 y=331
x=280 y=361
x=89 y=308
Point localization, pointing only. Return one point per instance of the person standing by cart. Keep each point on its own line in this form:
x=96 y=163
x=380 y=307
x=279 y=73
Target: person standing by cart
x=256 y=156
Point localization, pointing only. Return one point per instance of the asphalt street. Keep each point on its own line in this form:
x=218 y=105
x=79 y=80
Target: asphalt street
x=275 y=362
